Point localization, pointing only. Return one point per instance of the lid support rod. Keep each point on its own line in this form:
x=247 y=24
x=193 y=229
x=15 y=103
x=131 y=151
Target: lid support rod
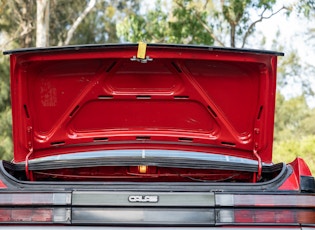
x=259 y=171
x=29 y=174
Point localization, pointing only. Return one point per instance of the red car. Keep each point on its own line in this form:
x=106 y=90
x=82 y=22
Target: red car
x=129 y=136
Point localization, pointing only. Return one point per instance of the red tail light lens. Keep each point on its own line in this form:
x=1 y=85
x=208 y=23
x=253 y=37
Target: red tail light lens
x=274 y=216
x=267 y=216
x=34 y=215
x=35 y=208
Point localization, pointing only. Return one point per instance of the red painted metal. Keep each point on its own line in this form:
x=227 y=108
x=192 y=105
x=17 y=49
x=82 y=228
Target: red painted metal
x=291 y=183
x=186 y=98
x=300 y=168
x=2 y=185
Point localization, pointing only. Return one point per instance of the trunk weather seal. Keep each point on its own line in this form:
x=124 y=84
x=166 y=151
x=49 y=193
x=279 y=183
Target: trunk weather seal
x=271 y=185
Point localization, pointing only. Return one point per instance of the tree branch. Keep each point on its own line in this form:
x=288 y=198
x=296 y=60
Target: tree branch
x=42 y=23
x=262 y=17
x=23 y=20
x=18 y=34
x=77 y=22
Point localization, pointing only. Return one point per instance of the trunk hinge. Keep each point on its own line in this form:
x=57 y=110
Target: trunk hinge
x=29 y=174
x=257 y=176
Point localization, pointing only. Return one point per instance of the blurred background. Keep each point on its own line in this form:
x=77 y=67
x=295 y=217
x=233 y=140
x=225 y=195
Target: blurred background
x=279 y=25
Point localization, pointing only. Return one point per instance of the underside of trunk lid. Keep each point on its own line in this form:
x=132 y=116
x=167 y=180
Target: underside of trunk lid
x=191 y=98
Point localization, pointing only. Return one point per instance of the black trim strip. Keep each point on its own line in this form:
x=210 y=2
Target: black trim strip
x=129 y=45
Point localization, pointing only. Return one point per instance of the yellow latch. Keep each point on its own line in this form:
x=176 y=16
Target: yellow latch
x=141 y=54
x=142 y=48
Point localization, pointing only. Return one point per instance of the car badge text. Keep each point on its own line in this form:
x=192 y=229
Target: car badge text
x=143 y=199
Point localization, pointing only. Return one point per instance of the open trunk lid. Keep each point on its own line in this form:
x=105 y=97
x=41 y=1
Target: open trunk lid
x=106 y=97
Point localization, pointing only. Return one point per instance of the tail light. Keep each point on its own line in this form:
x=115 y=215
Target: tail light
x=175 y=209
x=35 y=199
x=35 y=208
x=266 y=216
x=266 y=209
x=35 y=215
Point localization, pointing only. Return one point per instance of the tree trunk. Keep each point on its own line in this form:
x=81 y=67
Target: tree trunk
x=232 y=35
x=42 y=23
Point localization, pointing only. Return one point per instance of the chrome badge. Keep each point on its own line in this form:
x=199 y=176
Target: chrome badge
x=143 y=199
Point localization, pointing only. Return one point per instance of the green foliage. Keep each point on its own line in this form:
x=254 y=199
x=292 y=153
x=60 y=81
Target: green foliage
x=307 y=7
x=294 y=131
x=188 y=23
x=290 y=71
x=5 y=134
x=158 y=25
x=238 y=20
x=288 y=150
x=308 y=123
x=5 y=112
x=17 y=21
x=292 y=117
x=196 y=22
